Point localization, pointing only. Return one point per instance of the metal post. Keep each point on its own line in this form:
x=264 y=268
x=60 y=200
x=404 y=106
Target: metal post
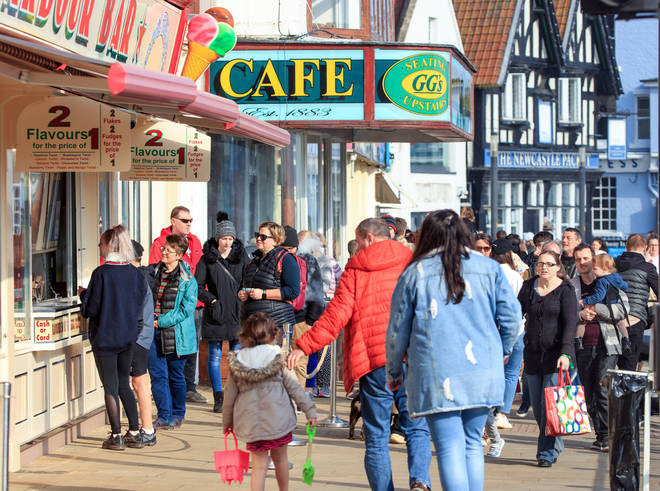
x=6 y=394
x=582 y=157
x=494 y=184
x=332 y=421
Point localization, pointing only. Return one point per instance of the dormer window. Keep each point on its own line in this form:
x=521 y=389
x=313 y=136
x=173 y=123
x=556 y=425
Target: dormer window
x=514 y=98
x=570 y=100
x=336 y=14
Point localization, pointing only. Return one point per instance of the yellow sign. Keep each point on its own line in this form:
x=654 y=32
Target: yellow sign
x=73 y=134
x=47 y=330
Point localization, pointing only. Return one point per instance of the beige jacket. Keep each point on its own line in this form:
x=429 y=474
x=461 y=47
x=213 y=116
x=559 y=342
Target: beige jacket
x=258 y=393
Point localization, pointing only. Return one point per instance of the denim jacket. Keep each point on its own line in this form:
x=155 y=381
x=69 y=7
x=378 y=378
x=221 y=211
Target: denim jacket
x=453 y=352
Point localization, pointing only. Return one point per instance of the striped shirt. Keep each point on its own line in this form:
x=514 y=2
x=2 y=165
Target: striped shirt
x=164 y=278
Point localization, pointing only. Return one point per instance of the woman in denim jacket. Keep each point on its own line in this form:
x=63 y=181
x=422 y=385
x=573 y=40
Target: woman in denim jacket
x=453 y=318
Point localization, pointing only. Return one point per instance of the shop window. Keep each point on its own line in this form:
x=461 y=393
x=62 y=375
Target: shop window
x=514 y=98
x=603 y=206
x=516 y=194
x=337 y=14
x=314 y=187
x=570 y=100
x=429 y=158
x=245 y=182
x=642 y=118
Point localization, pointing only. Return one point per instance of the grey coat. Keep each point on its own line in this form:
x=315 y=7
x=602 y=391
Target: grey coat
x=257 y=402
x=607 y=327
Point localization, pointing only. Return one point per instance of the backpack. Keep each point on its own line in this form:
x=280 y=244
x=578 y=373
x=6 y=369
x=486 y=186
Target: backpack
x=299 y=302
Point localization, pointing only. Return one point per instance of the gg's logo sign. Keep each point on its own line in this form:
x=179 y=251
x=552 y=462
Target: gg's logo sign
x=418 y=84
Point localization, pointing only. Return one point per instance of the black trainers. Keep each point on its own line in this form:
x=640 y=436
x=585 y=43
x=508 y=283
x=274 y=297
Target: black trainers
x=194 y=396
x=114 y=443
x=148 y=440
x=133 y=441
x=600 y=446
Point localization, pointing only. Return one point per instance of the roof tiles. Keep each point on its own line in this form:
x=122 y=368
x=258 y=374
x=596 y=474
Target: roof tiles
x=562 y=7
x=485 y=27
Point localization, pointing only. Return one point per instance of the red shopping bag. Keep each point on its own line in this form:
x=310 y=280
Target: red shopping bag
x=231 y=464
x=565 y=408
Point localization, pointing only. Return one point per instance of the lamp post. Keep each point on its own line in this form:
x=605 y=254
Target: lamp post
x=494 y=205
x=582 y=157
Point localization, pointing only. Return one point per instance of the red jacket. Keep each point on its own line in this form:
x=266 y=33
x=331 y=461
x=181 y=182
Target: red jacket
x=192 y=255
x=362 y=304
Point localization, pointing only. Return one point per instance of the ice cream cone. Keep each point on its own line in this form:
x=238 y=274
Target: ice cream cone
x=199 y=58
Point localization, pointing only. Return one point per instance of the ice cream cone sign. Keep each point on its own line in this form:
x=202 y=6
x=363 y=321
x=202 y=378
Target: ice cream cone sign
x=210 y=36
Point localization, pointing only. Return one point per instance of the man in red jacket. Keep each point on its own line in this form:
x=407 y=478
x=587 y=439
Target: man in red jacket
x=362 y=305
x=181 y=224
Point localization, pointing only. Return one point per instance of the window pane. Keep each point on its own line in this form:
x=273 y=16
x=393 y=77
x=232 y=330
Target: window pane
x=341 y=14
x=642 y=106
x=428 y=157
x=574 y=99
x=643 y=129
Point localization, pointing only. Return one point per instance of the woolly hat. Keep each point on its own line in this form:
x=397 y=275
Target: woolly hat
x=138 y=249
x=391 y=222
x=224 y=228
x=291 y=239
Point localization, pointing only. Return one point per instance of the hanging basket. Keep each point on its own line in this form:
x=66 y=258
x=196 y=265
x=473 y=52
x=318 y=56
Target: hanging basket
x=231 y=464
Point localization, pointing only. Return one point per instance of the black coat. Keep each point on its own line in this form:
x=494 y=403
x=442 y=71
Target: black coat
x=220 y=279
x=640 y=276
x=550 y=326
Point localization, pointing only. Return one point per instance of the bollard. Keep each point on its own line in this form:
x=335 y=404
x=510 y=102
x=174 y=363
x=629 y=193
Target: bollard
x=332 y=421
x=6 y=393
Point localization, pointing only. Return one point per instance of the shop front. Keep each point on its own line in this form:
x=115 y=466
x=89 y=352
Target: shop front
x=331 y=95
x=86 y=142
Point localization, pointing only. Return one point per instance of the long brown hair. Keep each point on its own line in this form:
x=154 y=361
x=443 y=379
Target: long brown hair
x=444 y=232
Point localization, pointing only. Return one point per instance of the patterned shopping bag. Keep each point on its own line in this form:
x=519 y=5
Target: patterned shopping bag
x=565 y=408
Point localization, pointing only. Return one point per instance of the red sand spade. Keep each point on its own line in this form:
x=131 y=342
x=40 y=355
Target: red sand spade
x=231 y=464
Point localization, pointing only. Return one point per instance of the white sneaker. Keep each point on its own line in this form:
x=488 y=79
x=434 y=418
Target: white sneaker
x=502 y=422
x=496 y=448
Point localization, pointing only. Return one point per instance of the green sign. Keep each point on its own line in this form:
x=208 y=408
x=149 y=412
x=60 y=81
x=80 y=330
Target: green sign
x=419 y=84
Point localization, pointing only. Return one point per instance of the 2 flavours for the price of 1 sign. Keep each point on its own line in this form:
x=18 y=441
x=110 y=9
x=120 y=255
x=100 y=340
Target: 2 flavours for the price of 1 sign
x=70 y=134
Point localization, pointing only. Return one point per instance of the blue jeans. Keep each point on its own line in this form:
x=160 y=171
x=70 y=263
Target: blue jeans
x=168 y=385
x=548 y=447
x=457 y=439
x=377 y=400
x=215 y=355
x=511 y=373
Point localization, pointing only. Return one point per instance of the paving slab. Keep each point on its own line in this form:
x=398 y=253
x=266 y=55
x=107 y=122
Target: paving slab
x=183 y=460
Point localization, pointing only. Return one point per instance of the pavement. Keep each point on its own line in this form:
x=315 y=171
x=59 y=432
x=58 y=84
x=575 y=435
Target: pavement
x=183 y=459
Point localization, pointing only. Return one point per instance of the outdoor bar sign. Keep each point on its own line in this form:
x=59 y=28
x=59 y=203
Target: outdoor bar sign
x=147 y=33
x=540 y=160
x=168 y=151
x=347 y=83
x=72 y=134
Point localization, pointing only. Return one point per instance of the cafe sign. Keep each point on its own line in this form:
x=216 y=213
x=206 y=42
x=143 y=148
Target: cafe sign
x=325 y=85
x=168 y=151
x=72 y=134
x=147 y=33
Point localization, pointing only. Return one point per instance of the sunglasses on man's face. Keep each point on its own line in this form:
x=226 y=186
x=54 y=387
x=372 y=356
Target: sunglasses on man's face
x=262 y=237
x=184 y=220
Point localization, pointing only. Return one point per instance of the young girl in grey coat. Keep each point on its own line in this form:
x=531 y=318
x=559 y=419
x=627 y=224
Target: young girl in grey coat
x=257 y=404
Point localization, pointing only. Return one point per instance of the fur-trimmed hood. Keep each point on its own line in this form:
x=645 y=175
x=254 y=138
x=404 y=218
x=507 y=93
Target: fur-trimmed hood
x=251 y=366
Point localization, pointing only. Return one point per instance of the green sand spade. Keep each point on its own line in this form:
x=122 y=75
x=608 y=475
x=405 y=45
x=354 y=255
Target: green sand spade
x=308 y=470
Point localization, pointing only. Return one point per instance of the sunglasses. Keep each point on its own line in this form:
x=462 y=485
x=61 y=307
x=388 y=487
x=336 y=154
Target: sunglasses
x=184 y=220
x=482 y=249
x=262 y=237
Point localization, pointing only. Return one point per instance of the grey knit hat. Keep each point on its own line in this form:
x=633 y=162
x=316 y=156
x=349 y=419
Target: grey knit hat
x=225 y=228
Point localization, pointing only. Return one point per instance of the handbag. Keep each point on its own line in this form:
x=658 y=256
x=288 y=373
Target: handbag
x=565 y=408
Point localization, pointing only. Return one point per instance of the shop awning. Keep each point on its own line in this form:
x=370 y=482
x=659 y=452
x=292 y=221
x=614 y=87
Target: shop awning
x=139 y=90
x=385 y=193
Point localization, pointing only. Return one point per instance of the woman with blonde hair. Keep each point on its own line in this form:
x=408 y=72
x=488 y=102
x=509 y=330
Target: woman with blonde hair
x=272 y=278
x=114 y=302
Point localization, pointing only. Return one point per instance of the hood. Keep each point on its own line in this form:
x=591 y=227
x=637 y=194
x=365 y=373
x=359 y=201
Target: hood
x=256 y=364
x=212 y=254
x=385 y=254
x=237 y=252
x=164 y=232
x=629 y=260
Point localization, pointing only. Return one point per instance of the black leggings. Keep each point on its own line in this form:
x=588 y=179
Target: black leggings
x=114 y=371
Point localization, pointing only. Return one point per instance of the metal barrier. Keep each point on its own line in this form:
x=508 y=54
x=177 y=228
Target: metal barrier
x=333 y=421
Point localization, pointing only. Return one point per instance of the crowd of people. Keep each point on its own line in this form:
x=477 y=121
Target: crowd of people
x=440 y=327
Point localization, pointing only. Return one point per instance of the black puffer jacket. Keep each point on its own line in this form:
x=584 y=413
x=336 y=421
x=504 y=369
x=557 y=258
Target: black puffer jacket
x=314 y=303
x=220 y=279
x=640 y=276
x=153 y=273
x=550 y=326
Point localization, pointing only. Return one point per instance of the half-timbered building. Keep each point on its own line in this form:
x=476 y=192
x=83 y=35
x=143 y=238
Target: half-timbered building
x=546 y=80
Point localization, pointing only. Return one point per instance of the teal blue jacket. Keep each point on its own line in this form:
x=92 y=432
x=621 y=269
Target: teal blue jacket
x=181 y=317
